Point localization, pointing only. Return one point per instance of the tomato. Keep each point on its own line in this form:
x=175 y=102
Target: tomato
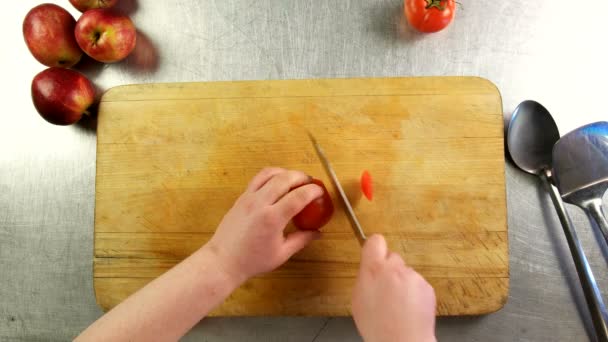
x=317 y=213
x=429 y=15
x=367 y=187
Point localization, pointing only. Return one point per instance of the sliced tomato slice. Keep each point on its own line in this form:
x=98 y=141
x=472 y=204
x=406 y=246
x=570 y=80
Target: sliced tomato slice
x=367 y=187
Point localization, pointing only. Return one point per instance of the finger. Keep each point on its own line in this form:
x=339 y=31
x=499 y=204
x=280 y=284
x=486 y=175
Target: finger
x=262 y=177
x=280 y=184
x=292 y=203
x=374 y=250
x=395 y=259
x=297 y=240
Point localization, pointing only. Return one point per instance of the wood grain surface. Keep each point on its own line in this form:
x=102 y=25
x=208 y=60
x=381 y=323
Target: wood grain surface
x=172 y=158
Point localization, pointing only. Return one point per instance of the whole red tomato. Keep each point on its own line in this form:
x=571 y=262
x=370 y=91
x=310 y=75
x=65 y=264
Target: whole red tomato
x=316 y=214
x=429 y=15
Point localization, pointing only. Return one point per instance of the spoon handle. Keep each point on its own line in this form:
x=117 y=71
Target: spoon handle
x=595 y=210
x=596 y=306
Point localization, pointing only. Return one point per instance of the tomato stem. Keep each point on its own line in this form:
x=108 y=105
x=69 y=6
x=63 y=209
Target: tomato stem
x=435 y=3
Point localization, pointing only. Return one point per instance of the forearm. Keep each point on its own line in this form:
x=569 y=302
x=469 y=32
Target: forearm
x=169 y=306
x=250 y=240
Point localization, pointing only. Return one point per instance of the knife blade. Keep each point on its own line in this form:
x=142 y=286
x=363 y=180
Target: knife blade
x=350 y=213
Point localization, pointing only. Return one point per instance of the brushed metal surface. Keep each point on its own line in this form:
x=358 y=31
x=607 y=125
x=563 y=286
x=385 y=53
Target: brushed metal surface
x=545 y=50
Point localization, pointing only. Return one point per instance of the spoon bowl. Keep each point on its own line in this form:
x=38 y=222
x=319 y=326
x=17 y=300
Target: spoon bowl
x=531 y=135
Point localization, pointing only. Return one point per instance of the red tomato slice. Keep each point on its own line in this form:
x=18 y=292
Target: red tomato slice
x=367 y=187
x=316 y=214
x=429 y=15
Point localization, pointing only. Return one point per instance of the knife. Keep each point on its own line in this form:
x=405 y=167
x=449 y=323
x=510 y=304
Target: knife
x=350 y=213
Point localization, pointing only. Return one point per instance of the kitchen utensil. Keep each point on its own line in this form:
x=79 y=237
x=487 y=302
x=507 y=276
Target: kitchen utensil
x=352 y=218
x=173 y=158
x=531 y=136
x=580 y=166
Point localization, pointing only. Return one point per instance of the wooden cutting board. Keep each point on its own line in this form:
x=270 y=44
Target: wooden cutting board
x=172 y=158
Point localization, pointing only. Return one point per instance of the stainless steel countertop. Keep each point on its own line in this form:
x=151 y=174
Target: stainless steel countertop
x=543 y=50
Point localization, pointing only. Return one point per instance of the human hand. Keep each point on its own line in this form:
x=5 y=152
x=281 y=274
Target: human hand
x=391 y=302
x=250 y=238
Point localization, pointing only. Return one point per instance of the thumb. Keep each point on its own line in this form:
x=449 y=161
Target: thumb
x=295 y=241
x=374 y=250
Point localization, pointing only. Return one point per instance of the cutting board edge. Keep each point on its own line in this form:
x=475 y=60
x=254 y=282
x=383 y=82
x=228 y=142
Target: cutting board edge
x=498 y=305
x=109 y=93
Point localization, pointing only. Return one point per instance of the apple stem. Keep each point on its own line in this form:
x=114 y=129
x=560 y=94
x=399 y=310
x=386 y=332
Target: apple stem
x=87 y=113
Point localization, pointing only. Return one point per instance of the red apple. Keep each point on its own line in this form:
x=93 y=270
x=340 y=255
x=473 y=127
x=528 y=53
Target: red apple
x=105 y=35
x=61 y=96
x=49 y=34
x=85 y=5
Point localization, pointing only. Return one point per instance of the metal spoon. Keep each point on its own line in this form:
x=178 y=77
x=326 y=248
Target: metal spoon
x=580 y=169
x=530 y=139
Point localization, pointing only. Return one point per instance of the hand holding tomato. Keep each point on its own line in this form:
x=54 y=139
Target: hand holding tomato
x=429 y=15
x=250 y=239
